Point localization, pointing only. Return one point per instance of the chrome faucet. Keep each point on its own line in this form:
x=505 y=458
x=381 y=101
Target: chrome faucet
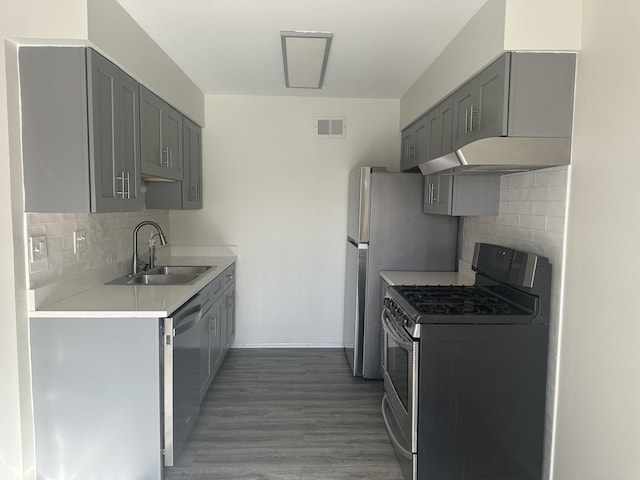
x=160 y=234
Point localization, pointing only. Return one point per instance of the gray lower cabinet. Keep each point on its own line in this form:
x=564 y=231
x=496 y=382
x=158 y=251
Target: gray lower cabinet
x=229 y=310
x=218 y=328
x=461 y=195
x=185 y=195
x=160 y=137
x=80 y=127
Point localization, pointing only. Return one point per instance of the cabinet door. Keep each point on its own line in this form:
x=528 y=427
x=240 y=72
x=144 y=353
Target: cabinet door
x=151 y=146
x=192 y=162
x=489 y=117
x=229 y=329
x=445 y=122
x=215 y=335
x=128 y=142
x=107 y=182
x=434 y=127
x=437 y=194
x=421 y=142
x=463 y=102
x=407 y=148
x=172 y=138
x=160 y=137
x=206 y=370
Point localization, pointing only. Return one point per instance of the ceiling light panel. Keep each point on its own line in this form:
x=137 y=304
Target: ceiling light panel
x=305 y=57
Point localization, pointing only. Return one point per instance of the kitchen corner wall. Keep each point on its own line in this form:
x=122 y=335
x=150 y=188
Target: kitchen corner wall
x=531 y=218
x=108 y=242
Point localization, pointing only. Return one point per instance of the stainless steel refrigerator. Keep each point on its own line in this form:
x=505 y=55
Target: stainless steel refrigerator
x=386 y=231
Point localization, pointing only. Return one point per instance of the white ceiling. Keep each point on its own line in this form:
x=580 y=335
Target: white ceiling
x=379 y=48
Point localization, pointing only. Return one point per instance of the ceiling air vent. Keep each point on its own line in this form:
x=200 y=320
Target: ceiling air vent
x=331 y=127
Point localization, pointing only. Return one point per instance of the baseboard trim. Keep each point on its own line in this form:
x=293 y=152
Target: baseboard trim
x=287 y=345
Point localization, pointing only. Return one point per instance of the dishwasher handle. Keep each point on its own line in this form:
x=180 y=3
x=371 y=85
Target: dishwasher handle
x=195 y=312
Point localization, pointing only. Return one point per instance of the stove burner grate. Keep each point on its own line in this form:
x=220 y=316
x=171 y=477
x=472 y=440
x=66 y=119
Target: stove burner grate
x=455 y=300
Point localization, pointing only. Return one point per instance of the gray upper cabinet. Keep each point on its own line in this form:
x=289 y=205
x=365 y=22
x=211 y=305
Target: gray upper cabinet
x=461 y=195
x=192 y=158
x=79 y=132
x=479 y=106
x=160 y=137
x=114 y=151
x=440 y=129
x=185 y=195
x=415 y=145
x=407 y=155
x=521 y=94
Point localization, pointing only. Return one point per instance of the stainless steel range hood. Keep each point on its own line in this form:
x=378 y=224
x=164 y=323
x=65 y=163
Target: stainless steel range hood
x=501 y=156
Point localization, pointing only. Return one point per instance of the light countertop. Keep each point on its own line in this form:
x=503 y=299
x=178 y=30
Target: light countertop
x=426 y=278
x=135 y=301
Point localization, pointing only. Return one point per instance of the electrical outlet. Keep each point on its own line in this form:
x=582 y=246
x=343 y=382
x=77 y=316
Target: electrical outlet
x=79 y=241
x=38 y=249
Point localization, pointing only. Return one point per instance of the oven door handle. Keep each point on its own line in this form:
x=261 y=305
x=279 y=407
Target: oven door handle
x=405 y=453
x=393 y=332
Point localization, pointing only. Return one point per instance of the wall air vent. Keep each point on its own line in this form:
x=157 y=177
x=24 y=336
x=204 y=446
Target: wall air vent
x=331 y=127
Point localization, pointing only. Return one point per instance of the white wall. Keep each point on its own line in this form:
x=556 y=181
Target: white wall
x=279 y=194
x=598 y=426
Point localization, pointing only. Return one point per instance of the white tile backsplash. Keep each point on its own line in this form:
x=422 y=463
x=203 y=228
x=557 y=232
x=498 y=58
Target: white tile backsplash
x=531 y=217
x=109 y=241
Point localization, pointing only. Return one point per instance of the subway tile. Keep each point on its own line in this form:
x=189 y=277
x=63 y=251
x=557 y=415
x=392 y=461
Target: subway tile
x=551 y=177
x=547 y=237
x=521 y=180
x=558 y=193
x=532 y=221
x=535 y=193
x=108 y=241
x=511 y=194
x=554 y=209
x=555 y=224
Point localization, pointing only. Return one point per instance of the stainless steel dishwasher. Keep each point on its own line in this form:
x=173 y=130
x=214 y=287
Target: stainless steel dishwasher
x=181 y=352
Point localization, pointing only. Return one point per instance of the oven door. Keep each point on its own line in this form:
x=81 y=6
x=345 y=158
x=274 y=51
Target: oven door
x=399 y=405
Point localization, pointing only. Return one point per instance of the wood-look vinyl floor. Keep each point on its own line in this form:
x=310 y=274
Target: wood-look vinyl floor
x=288 y=414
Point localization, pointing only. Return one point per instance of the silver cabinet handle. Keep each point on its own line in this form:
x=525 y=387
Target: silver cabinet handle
x=127 y=193
x=471 y=112
x=435 y=193
x=164 y=154
x=430 y=194
x=466 y=121
x=411 y=151
x=121 y=178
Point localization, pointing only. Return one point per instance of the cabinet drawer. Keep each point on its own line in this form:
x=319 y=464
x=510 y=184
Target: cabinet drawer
x=211 y=292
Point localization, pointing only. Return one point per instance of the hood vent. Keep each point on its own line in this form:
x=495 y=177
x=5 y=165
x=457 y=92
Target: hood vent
x=501 y=156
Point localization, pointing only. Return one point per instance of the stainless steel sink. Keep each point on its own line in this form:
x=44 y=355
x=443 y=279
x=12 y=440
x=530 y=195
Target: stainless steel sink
x=147 y=279
x=179 y=270
x=165 y=275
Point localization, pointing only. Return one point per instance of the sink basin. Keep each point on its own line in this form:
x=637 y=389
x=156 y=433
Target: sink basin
x=146 y=279
x=165 y=275
x=179 y=270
